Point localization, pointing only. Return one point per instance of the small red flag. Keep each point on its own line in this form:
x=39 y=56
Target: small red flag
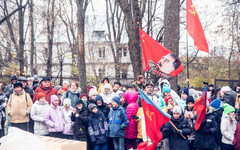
x=194 y=27
x=200 y=107
x=157 y=58
x=155 y=117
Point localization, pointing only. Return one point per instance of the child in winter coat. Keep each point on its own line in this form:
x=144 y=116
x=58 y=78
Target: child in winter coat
x=55 y=118
x=217 y=111
x=131 y=131
x=80 y=117
x=189 y=113
x=38 y=113
x=118 y=121
x=68 y=126
x=176 y=141
x=204 y=137
x=102 y=106
x=228 y=127
x=97 y=128
x=107 y=93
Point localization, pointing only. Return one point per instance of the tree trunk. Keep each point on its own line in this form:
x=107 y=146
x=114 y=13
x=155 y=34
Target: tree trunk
x=172 y=30
x=31 y=36
x=21 y=38
x=81 y=9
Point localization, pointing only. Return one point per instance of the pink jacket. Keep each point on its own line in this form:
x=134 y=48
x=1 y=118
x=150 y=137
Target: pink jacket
x=54 y=119
x=132 y=108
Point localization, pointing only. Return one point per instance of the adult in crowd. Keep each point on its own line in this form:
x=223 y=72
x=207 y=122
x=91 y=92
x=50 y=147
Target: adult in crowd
x=107 y=93
x=3 y=104
x=46 y=88
x=103 y=107
x=104 y=81
x=72 y=93
x=149 y=92
x=140 y=82
x=116 y=88
x=65 y=86
x=26 y=87
x=59 y=90
x=19 y=107
x=35 y=82
x=9 y=88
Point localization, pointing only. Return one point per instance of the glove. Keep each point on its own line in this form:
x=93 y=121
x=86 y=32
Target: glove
x=135 y=117
x=179 y=132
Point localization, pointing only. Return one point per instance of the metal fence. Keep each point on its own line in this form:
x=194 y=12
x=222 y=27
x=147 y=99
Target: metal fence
x=222 y=82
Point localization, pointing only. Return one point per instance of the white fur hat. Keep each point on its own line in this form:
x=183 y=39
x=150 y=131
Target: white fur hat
x=177 y=109
x=67 y=102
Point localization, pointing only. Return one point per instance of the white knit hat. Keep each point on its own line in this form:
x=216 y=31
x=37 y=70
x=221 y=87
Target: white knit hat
x=65 y=81
x=225 y=89
x=92 y=92
x=177 y=109
x=67 y=102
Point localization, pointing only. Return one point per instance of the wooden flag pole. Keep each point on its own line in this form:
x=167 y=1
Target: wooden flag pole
x=177 y=129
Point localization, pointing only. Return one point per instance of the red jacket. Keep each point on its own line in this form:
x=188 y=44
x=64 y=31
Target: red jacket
x=51 y=91
x=236 y=140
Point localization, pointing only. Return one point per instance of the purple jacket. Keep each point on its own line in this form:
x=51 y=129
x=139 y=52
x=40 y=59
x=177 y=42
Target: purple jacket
x=54 y=119
x=132 y=108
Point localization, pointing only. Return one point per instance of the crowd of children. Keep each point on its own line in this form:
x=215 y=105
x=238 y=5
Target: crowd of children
x=113 y=117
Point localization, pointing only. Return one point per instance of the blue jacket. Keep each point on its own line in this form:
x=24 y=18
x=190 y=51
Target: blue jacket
x=118 y=121
x=98 y=128
x=176 y=142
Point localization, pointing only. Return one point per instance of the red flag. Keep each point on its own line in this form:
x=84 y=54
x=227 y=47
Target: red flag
x=165 y=63
x=200 y=107
x=194 y=27
x=155 y=117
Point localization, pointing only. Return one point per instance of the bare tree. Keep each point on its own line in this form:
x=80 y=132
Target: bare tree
x=133 y=12
x=32 y=38
x=115 y=30
x=81 y=10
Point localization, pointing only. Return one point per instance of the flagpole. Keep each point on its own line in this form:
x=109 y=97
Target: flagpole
x=187 y=59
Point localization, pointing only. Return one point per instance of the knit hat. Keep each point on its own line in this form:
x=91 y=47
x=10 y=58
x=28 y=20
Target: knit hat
x=91 y=106
x=40 y=95
x=54 y=98
x=225 y=89
x=65 y=81
x=215 y=104
x=116 y=82
x=30 y=78
x=116 y=99
x=67 y=102
x=99 y=97
x=190 y=99
x=166 y=88
x=167 y=98
x=177 y=109
x=83 y=94
x=185 y=91
x=46 y=79
x=35 y=77
x=92 y=92
x=228 y=109
x=57 y=87
x=22 y=79
x=17 y=84
x=13 y=77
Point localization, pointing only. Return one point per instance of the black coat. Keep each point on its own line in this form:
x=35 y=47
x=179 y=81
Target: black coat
x=80 y=128
x=176 y=142
x=98 y=128
x=218 y=116
x=29 y=90
x=204 y=136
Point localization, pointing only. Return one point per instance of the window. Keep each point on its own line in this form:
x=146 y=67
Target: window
x=124 y=51
x=124 y=73
x=101 y=51
x=120 y=51
x=101 y=72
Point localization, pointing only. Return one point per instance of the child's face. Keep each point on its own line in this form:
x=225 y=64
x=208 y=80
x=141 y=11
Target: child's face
x=79 y=106
x=176 y=115
x=66 y=107
x=110 y=105
x=106 y=90
x=84 y=98
x=184 y=96
x=167 y=94
x=190 y=105
x=95 y=110
x=55 y=103
x=42 y=99
x=93 y=97
x=114 y=104
x=99 y=103
x=232 y=114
